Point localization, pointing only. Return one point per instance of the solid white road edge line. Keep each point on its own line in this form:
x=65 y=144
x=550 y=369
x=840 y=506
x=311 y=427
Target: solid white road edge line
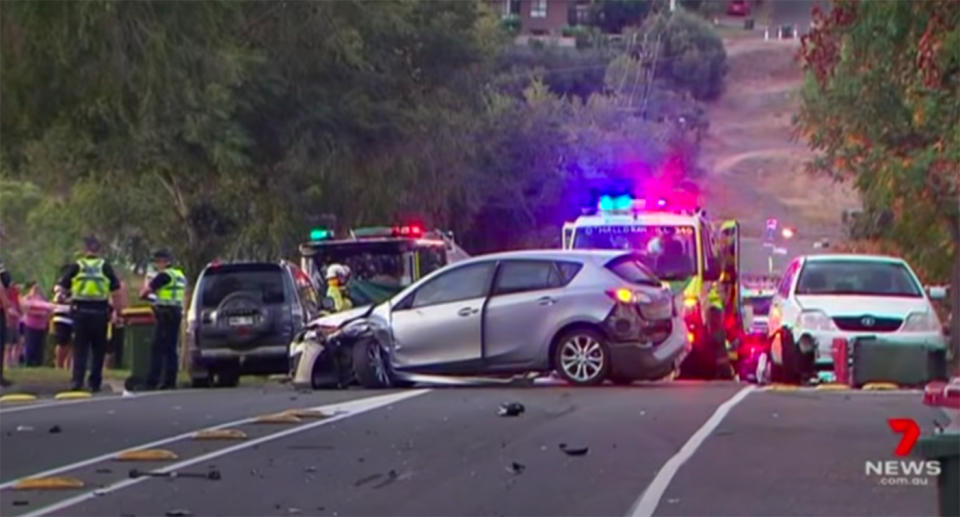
x=51 y=403
x=647 y=503
x=341 y=410
x=110 y=455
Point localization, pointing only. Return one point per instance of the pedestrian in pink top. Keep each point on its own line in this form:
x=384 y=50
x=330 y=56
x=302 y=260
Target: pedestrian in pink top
x=36 y=320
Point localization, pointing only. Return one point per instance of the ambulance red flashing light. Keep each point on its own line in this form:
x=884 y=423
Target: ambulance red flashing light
x=408 y=231
x=627 y=204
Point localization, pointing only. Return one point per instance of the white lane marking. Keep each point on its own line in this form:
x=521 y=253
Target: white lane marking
x=344 y=410
x=41 y=405
x=647 y=503
x=110 y=455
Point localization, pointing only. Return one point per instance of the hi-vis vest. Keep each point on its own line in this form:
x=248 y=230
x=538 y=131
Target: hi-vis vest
x=90 y=284
x=171 y=294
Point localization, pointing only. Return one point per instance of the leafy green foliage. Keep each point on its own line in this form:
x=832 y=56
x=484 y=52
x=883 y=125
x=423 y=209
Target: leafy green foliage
x=881 y=104
x=225 y=129
x=691 y=57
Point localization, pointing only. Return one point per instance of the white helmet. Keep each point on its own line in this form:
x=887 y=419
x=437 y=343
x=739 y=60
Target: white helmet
x=337 y=271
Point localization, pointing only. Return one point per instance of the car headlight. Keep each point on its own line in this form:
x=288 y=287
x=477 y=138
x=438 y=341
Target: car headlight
x=815 y=321
x=921 y=322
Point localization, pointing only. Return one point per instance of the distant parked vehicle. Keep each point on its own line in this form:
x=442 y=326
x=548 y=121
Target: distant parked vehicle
x=588 y=315
x=738 y=8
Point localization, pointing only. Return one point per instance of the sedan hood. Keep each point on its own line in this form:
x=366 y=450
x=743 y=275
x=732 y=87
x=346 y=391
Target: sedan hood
x=336 y=319
x=844 y=305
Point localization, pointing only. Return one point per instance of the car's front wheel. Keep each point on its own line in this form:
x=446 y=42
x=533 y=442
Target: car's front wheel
x=370 y=365
x=581 y=357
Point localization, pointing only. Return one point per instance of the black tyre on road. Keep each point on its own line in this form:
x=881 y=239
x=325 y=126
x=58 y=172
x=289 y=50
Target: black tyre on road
x=371 y=365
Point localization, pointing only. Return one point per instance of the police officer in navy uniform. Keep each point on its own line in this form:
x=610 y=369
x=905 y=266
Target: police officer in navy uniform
x=166 y=290
x=92 y=283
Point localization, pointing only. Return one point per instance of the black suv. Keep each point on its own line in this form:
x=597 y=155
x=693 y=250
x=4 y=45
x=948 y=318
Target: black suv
x=242 y=319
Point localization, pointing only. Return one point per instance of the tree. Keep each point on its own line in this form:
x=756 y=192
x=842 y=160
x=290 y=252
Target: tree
x=881 y=103
x=691 y=55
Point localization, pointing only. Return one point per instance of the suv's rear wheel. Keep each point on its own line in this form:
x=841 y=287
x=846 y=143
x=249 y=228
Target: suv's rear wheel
x=581 y=357
x=371 y=364
x=227 y=378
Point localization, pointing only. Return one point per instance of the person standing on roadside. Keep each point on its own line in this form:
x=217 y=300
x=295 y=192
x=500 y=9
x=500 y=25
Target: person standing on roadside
x=14 y=327
x=6 y=306
x=92 y=283
x=62 y=325
x=36 y=320
x=166 y=290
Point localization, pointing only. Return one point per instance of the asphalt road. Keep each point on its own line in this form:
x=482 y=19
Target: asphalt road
x=671 y=448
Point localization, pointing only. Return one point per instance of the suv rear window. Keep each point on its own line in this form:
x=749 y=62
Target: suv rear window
x=261 y=280
x=632 y=269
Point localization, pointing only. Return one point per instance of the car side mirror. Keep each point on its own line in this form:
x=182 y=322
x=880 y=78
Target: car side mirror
x=937 y=292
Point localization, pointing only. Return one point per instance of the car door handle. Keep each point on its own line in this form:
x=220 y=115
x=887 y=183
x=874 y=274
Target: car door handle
x=466 y=311
x=546 y=300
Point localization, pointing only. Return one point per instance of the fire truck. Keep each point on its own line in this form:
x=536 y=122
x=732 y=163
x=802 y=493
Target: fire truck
x=698 y=259
x=382 y=260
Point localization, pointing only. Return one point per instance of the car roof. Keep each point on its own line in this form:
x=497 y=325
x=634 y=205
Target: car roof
x=853 y=257
x=550 y=254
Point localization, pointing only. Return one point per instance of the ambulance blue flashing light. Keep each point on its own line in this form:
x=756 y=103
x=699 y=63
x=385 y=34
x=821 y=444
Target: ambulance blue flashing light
x=610 y=203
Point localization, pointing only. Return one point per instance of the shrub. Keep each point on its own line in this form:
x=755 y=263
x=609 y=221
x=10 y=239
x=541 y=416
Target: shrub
x=691 y=55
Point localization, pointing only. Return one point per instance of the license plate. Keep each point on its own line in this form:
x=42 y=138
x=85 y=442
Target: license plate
x=241 y=321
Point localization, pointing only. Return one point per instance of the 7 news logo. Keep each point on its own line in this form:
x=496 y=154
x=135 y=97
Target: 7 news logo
x=904 y=471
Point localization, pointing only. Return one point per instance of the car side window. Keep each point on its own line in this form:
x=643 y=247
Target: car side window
x=516 y=276
x=462 y=283
x=568 y=270
x=787 y=279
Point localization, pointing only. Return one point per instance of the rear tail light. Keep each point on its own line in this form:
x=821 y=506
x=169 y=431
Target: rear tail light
x=622 y=295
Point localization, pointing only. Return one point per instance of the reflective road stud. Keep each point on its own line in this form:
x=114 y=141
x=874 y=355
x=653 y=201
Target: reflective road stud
x=18 y=397
x=220 y=434
x=146 y=455
x=73 y=395
x=49 y=483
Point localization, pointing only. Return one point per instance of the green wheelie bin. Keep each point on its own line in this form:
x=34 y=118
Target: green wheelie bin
x=945 y=445
x=138 y=338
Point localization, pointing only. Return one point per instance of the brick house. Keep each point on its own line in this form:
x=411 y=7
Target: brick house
x=544 y=17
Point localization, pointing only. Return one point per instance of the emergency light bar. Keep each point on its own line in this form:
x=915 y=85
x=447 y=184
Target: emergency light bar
x=626 y=204
x=408 y=230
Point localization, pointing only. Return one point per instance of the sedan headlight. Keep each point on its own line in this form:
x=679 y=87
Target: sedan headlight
x=921 y=322
x=815 y=321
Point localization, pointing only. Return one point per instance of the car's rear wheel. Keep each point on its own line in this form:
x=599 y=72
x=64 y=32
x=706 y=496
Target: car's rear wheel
x=371 y=365
x=581 y=357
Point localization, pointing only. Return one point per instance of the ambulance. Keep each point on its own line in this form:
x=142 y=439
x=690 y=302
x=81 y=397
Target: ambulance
x=697 y=260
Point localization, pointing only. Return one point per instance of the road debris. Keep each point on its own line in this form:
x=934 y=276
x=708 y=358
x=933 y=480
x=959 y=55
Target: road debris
x=293 y=510
x=391 y=477
x=516 y=468
x=673 y=501
x=179 y=512
x=364 y=480
x=213 y=474
x=511 y=409
x=21 y=502
x=574 y=451
x=55 y=429
x=100 y=492
x=310 y=469
x=104 y=471
x=24 y=428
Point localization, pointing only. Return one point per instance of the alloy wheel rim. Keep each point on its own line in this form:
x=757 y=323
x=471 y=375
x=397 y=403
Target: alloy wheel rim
x=582 y=358
x=376 y=358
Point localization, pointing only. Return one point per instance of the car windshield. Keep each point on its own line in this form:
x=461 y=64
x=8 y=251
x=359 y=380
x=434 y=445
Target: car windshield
x=669 y=251
x=759 y=304
x=863 y=278
x=263 y=281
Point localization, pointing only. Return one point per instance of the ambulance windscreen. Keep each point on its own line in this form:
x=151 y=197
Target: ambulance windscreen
x=670 y=251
